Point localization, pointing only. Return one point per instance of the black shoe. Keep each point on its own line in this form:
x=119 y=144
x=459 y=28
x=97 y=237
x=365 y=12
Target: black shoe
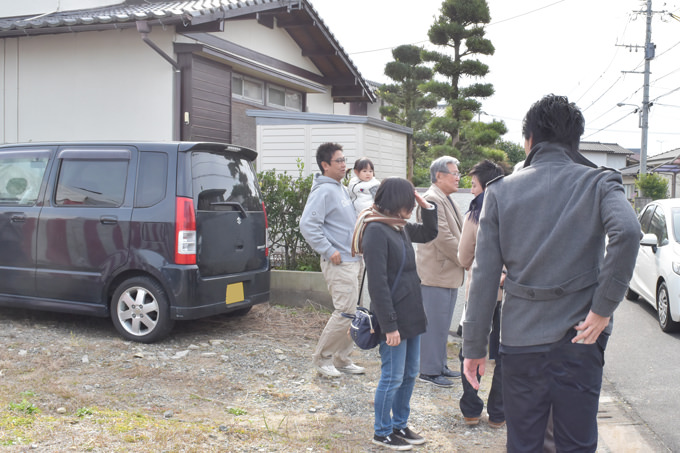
x=439 y=381
x=450 y=373
x=409 y=436
x=392 y=442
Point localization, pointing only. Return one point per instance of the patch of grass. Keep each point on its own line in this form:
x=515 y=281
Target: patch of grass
x=83 y=411
x=236 y=411
x=25 y=407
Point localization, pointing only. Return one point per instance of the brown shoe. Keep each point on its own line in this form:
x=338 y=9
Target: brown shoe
x=496 y=425
x=471 y=421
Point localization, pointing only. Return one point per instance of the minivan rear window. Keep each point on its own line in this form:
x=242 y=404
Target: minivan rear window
x=223 y=181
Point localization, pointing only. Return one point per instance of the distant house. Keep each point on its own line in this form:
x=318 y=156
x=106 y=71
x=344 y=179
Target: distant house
x=610 y=155
x=666 y=164
x=213 y=70
x=605 y=154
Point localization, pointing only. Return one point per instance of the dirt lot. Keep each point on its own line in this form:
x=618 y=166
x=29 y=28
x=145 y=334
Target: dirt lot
x=70 y=383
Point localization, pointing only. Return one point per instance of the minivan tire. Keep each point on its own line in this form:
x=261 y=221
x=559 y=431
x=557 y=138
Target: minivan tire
x=140 y=310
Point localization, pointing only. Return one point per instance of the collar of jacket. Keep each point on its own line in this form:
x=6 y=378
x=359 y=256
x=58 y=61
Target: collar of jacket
x=435 y=188
x=545 y=150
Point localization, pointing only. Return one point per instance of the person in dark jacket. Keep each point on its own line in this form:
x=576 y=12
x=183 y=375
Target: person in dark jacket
x=568 y=238
x=385 y=238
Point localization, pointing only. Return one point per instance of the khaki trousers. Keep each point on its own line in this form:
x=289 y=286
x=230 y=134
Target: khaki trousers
x=335 y=345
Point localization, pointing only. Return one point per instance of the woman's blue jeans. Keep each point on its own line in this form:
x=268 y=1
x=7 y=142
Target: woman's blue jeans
x=398 y=372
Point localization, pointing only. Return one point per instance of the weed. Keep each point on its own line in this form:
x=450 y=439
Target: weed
x=83 y=411
x=24 y=406
x=236 y=411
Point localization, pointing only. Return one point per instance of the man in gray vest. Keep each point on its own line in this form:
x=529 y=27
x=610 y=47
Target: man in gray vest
x=568 y=238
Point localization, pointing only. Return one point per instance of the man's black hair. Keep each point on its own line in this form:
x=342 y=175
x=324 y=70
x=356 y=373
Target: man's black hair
x=324 y=153
x=395 y=194
x=485 y=171
x=554 y=119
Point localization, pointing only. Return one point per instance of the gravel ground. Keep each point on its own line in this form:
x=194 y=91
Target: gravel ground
x=223 y=384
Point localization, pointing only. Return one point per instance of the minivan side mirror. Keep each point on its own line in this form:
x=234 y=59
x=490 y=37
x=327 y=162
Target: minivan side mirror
x=649 y=240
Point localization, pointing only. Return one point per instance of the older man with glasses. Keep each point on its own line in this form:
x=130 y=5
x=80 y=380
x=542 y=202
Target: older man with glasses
x=440 y=272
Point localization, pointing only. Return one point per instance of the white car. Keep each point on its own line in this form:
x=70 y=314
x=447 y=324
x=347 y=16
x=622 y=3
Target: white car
x=656 y=277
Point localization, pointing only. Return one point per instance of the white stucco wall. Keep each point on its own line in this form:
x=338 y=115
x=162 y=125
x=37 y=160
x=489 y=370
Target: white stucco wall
x=275 y=42
x=321 y=103
x=616 y=161
x=86 y=86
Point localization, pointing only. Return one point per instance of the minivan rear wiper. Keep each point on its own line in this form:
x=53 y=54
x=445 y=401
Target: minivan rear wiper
x=237 y=205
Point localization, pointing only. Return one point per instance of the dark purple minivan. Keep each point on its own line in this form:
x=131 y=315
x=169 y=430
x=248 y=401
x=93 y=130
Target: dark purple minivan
x=147 y=233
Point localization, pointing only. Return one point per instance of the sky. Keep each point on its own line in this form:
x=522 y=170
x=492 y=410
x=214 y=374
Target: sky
x=584 y=49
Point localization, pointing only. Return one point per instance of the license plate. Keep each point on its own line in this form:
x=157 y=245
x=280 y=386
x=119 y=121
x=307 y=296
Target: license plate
x=235 y=293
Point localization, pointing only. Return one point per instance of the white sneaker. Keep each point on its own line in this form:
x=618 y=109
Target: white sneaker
x=328 y=370
x=352 y=369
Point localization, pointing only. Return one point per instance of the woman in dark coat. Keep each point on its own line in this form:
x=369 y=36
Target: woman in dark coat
x=385 y=237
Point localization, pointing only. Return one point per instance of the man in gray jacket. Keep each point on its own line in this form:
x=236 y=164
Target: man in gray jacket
x=568 y=238
x=327 y=224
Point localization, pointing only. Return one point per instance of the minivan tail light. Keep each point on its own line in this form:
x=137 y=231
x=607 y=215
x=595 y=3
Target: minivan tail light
x=185 y=231
x=266 y=230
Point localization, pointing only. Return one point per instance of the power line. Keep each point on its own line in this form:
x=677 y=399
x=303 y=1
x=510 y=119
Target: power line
x=525 y=14
x=487 y=25
x=611 y=124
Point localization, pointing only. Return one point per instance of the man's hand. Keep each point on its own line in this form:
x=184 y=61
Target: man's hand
x=393 y=338
x=470 y=369
x=590 y=329
x=335 y=258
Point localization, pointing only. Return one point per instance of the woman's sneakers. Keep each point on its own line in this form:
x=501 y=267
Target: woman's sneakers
x=409 y=436
x=401 y=439
x=392 y=442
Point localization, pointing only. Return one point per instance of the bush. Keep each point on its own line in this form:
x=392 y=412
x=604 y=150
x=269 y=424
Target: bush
x=285 y=197
x=652 y=185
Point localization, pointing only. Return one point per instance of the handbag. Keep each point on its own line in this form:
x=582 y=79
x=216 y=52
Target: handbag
x=364 y=329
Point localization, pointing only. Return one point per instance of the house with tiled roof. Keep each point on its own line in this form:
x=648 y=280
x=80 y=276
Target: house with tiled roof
x=605 y=154
x=267 y=74
x=610 y=155
x=666 y=164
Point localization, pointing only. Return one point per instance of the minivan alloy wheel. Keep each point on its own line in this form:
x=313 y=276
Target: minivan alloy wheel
x=140 y=311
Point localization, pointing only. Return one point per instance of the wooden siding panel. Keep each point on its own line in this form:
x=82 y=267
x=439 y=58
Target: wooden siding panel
x=211 y=101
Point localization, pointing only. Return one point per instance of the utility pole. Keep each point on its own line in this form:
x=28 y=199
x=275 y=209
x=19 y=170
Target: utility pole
x=650 y=49
x=649 y=56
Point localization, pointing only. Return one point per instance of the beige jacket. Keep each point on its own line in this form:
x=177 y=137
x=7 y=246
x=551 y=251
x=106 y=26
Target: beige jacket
x=437 y=260
x=466 y=252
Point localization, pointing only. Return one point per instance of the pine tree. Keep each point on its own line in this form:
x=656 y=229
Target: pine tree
x=406 y=103
x=459 y=28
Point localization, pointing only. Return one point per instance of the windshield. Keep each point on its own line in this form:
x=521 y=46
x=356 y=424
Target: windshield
x=675 y=212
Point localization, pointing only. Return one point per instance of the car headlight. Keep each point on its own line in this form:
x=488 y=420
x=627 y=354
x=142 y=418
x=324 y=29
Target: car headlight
x=676 y=267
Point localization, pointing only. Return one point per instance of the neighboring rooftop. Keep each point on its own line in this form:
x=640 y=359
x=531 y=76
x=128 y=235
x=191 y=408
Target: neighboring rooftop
x=609 y=148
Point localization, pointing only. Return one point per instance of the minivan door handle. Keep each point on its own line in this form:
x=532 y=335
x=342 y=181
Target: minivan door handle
x=108 y=219
x=18 y=217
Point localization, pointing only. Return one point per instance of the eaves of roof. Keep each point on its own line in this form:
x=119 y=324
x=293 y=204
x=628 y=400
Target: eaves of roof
x=608 y=148
x=297 y=17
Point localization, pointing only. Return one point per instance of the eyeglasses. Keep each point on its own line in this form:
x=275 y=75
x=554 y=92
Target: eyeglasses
x=455 y=173
x=340 y=160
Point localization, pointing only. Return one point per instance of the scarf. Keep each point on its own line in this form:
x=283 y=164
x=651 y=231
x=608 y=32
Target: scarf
x=367 y=216
x=476 y=207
